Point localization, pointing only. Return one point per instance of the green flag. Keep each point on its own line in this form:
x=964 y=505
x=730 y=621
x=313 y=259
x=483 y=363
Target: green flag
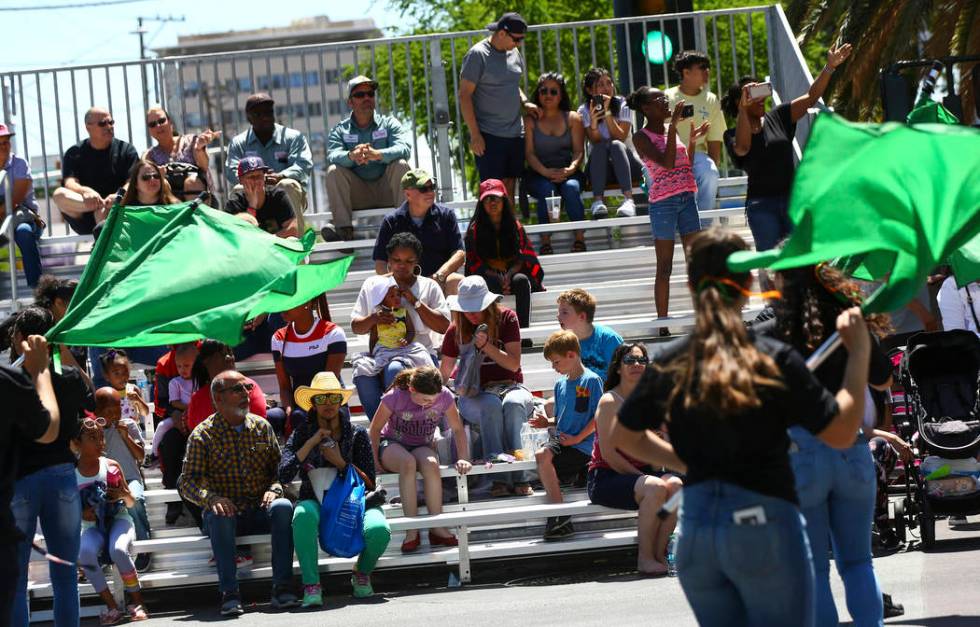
x=931 y=112
x=178 y=273
x=901 y=197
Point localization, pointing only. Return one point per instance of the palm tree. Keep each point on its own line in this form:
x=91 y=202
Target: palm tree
x=885 y=31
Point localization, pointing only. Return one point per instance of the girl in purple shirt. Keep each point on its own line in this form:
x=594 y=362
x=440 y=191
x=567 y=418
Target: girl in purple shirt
x=401 y=437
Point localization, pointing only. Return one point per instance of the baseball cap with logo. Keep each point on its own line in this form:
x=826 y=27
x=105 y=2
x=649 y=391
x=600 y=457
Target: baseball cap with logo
x=5 y=131
x=357 y=81
x=251 y=164
x=416 y=178
x=510 y=22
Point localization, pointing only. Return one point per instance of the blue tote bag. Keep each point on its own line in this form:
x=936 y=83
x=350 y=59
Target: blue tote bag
x=342 y=515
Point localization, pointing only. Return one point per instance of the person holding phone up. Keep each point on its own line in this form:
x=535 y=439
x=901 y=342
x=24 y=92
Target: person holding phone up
x=762 y=144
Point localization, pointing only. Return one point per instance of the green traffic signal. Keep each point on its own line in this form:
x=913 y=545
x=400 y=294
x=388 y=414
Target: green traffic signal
x=657 y=47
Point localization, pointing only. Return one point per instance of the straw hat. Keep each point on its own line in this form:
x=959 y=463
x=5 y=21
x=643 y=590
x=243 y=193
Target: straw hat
x=323 y=383
x=473 y=295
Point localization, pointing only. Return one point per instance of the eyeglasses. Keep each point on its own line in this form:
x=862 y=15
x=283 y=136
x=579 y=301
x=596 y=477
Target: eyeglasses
x=106 y=122
x=239 y=388
x=632 y=360
x=93 y=423
x=426 y=189
x=549 y=92
x=358 y=95
x=327 y=399
x=149 y=177
x=157 y=122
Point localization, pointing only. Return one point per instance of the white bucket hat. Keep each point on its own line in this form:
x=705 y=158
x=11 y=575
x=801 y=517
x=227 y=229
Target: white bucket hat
x=474 y=295
x=376 y=287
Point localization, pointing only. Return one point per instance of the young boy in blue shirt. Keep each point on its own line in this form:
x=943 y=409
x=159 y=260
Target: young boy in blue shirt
x=576 y=310
x=566 y=456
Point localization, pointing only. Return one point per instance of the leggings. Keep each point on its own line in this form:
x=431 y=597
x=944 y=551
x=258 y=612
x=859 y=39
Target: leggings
x=520 y=287
x=121 y=537
x=306 y=531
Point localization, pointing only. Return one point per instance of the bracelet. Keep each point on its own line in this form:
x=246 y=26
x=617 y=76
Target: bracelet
x=829 y=68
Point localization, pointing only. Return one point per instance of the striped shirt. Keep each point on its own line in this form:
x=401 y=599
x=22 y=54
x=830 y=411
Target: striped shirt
x=221 y=462
x=304 y=355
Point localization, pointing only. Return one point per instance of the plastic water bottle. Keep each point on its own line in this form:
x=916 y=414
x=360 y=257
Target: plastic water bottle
x=143 y=384
x=672 y=555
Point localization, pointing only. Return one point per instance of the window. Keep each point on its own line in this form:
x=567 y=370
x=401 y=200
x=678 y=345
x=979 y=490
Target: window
x=245 y=84
x=229 y=117
x=331 y=76
x=296 y=79
x=312 y=79
x=190 y=89
x=337 y=107
x=195 y=120
x=314 y=109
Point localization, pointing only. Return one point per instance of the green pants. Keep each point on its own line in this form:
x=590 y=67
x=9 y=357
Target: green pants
x=306 y=530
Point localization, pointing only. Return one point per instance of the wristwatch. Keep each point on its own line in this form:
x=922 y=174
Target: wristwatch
x=418 y=303
x=277 y=490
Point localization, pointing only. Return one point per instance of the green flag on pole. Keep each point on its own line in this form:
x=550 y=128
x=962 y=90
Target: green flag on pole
x=903 y=198
x=178 y=273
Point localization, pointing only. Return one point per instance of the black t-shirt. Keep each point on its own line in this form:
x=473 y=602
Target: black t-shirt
x=105 y=171
x=769 y=163
x=274 y=213
x=750 y=449
x=74 y=397
x=22 y=417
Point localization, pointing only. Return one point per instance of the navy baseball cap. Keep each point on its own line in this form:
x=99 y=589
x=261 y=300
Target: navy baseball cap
x=251 y=164
x=510 y=22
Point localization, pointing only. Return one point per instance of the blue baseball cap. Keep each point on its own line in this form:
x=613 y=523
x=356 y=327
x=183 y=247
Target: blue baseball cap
x=251 y=164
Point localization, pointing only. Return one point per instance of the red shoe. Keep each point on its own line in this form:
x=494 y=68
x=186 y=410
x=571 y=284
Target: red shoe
x=410 y=546
x=435 y=540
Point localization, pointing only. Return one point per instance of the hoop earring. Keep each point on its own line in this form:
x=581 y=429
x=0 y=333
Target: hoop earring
x=417 y=270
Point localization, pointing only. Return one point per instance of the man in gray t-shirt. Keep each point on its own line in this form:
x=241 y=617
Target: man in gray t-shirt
x=492 y=102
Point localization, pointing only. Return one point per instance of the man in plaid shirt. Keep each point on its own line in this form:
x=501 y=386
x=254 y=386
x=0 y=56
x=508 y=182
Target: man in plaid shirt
x=230 y=471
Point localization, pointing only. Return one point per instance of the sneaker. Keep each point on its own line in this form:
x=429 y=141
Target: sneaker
x=231 y=604
x=151 y=461
x=142 y=562
x=892 y=609
x=362 y=585
x=110 y=617
x=137 y=613
x=627 y=209
x=956 y=521
x=598 y=210
x=283 y=598
x=664 y=332
x=329 y=233
x=174 y=510
x=558 y=528
x=242 y=560
x=312 y=596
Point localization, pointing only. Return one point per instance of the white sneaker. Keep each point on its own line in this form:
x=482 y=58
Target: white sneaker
x=627 y=209
x=598 y=210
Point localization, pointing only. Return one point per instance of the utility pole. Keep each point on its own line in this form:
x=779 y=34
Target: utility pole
x=141 y=32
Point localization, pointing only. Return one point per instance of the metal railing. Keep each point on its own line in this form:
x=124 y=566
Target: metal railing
x=419 y=77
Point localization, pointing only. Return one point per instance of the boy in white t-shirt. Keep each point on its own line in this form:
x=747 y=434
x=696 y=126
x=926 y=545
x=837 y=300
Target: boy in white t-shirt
x=180 y=390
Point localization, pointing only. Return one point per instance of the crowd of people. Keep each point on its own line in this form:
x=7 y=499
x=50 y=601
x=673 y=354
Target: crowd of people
x=773 y=459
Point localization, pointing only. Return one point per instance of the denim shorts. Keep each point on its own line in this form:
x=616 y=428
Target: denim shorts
x=503 y=158
x=675 y=214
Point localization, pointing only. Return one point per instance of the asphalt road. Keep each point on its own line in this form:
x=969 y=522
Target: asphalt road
x=938 y=589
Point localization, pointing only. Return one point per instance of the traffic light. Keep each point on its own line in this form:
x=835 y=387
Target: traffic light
x=650 y=44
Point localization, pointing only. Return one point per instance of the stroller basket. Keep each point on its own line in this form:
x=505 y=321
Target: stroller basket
x=941 y=375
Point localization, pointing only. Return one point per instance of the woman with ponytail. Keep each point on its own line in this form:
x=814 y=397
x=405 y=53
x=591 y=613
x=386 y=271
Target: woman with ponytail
x=727 y=397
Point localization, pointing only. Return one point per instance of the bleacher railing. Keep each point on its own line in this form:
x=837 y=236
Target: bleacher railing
x=419 y=77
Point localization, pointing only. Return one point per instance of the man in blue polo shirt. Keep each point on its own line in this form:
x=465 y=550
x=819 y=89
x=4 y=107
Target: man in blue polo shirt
x=433 y=224
x=367 y=155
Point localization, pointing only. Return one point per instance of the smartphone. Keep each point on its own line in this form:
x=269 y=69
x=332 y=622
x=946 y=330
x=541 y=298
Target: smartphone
x=597 y=102
x=760 y=90
x=687 y=111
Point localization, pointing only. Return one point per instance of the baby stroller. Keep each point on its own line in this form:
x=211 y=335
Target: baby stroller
x=941 y=376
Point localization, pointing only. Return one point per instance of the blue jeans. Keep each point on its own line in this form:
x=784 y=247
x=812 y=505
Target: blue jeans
x=706 y=175
x=500 y=422
x=570 y=190
x=675 y=214
x=51 y=495
x=141 y=523
x=768 y=220
x=837 y=490
x=27 y=235
x=370 y=389
x=277 y=520
x=743 y=574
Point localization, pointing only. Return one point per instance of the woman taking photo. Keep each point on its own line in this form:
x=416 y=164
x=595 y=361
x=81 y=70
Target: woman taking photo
x=673 y=191
x=554 y=146
x=762 y=144
x=727 y=398
x=617 y=480
x=328 y=440
x=608 y=124
x=497 y=248
x=500 y=405
x=402 y=440
x=836 y=488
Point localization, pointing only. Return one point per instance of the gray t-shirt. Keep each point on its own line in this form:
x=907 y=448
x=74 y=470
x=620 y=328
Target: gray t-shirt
x=116 y=449
x=497 y=99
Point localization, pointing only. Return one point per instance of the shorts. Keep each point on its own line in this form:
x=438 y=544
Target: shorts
x=674 y=214
x=385 y=443
x=570 y=463
x=83 y=224
x=612 y=489
x=503 y=158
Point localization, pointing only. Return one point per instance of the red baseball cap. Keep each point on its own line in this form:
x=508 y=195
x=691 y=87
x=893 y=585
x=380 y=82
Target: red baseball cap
x=5 y=131
x=492 y=187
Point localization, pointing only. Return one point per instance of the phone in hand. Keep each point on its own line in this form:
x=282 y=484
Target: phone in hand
x=687 y=111
x=598 y=103
x=760 y=90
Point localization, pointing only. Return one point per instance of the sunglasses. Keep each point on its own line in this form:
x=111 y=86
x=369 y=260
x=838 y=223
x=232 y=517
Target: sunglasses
x=157 y=122
x=632 y=360
x=93 y=423
x=425 y=189
x=327 y=399
x=549 y=91
x=517 y=40
x=239 y=388
x=106 y=122
x=357 y=95
x=149 y=177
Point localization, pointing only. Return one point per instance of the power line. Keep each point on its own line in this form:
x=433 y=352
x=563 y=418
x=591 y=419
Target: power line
x=54 y=7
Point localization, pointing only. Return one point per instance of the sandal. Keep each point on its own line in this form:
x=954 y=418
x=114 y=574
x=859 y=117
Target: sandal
x=498 y=490
x=110 y=617
x=578 y=246
x=137 y=613
x=546 y=249
x=523 y=489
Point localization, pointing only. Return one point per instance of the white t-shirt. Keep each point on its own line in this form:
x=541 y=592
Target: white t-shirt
x=181 y=389
x=427 y=291
x=955 y=308
x=624 y=115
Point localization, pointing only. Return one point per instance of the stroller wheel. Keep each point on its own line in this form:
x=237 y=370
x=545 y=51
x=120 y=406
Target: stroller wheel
x=927 y=525
x=899 y=521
